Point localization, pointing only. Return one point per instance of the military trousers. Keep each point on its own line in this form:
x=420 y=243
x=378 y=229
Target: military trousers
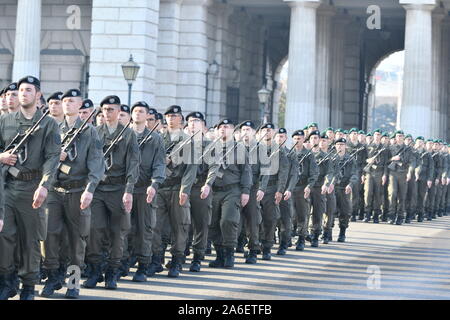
x=355 y=197
x=301 y=210
x=64 y=215
x=344 y=207
x=170 y=212
x=330 y=211
x=251 y=216
x=201 y=213
x=411 y=198
x=397 y=194
x=270 y=213
x=429 y=205
x=319 y=205
x=23 y=229
x=373 y=192
x=225 y=217
x=285 y=222
x=422 y=195
x=438 y=197
x=109 y=220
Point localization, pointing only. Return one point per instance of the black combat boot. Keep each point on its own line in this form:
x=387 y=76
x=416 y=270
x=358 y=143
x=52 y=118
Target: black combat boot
x=52 y=283
x=218 y=263
x=229 y=258
x=175 y=267
x=208 y=247
x=361 y=215
x=62 y=273
x=325 y=237
x=420 y=217
x=27 y=292
x=341 y=237
x=196 y=263
x=353 y=217
x=309 y=237
x=252 y=257
x=440 y=213
x=241 y=244
x=376 y=217
x=282 y=249
x=434 y=214
x=300 y=244
x=384 y=217
x=367 y=217
x=446 y=211
x=124 y=268
x=330 y=236
x=155 y=266
x=86 y=272
x=7 y=287
x=399 y=221
x=95 y=276
x=140 y=275
x=429 y=216
x=266 y=254
x=111 y=277
x=315 y=240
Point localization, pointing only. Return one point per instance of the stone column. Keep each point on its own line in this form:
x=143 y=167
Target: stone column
x=417 y=84
x=323 y=65
x=437 y=17
x=301 y=89
x=27 y=48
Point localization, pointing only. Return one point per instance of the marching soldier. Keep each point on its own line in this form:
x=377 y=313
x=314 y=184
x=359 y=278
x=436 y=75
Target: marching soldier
x=80 y=170
x=151 y=176
x=376 y=173
x=231 y=193
x=12 y=97
x=385 y=195
x=424 y=173
x=411 y=196
x=86 y=109
x=346 y=179
x=55 y=107
x=3 y=104
x=173 y=197
x=124 y=115
x=444 y=178
x=26 y=188
x=113 y=198
x=360 y=157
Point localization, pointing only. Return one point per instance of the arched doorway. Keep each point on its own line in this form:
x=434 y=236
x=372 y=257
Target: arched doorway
x=385 y=93
x=279 y=95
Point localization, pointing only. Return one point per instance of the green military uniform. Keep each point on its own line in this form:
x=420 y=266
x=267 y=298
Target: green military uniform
x=108 y=214
x=24 y=226
x=398 y=171
x=424 y=172
x=437 y=173
x=318 y=199
x=330 y=211
x=305 y=175
x=442 y=190
x=234 y=178
x=180 y=178
x=63 y=207
x=360 y=159
x=411 y=195
x=373 y=187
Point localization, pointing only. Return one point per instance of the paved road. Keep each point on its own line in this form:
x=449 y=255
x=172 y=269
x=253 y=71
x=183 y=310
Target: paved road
x=413 y=262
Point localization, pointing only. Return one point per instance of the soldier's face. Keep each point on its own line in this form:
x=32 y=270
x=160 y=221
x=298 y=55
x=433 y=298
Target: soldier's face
x=28 y=95
x=429 y=145
x=323 y=143
x=195 y=125
x=70 y=106
x=268 y=132
x=377 y=137
x=124 y=118
x=399 y=138
x=330 y=134
x=100 y=119
x=339 y=135
x=248 y=133
x=340 y=147
x=419 y=144
x=280 y=138
x=299 y=139
x=12 y=100
x=173 y=120
x=84 y=113
x=151 y=121
x=139 y=115
x=111 y=112
x=314 y=140
x=369 y=140
x=226 y=131
x=354 y=136
x=436 y=146
x=408 y=141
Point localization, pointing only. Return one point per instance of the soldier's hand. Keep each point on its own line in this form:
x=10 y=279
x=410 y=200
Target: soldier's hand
x=383 y=180
x=331 y=189
x=287 y=195
x=183 y=198
x=417 y=177
x=324 y=189
x=408 y=177
x=259 y=195
x=396 y=158
x=307 y=192
x=348 y=190
x=444 y=181
x=244 y=199
x=39 y=197
x=86 y=199
x=436 y=182
x=1 y=225
x=8 y=158
x=363 y=178
x=63 y=156
x=278 y=197
x=127 y=200
x=448 y=181
x=206 y=189
x=429 y=184
x=150 y=194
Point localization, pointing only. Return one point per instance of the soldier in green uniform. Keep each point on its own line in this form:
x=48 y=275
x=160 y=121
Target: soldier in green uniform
x=411 y=196
x=423 y=175
x=385 y=194
x=173 y=196
x=443 y=185
x=346 y=179
x=201 y=194
x=12 y=97
x=25 y=221
x=401 y=167
x=73 y=186
x=113 y=198
x=376 y=173
x=321 y=187
x=274 y=173
x=431 y=197
x=3 y=105
x=86 y=109
x=231 y=193
x=305 y=174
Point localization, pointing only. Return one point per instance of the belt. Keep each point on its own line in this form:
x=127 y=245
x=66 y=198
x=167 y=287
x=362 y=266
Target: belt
x=28 y=176
x=169 y=183
x=114 y=180
x=66 y=186
x=225 y=188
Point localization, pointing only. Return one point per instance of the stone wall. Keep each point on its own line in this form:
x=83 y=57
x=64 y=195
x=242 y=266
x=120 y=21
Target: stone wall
x=8 y=10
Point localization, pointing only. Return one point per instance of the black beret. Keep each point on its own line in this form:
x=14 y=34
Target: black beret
x=87 y=104
x=2 y=91
x=159 y=116
x=173 y=110
x=30 y=80
x=110 y=100
x=323 y=135
x=55 y=96
x=11 y=87
x=125 y=108
x=71 y=93
x=315 y=133
x=225 y=121
x=282 y=131
x=197 y=115
x=153 y=111
x=341 y=140
x=267 y=126
x=142 y=104
x=247 y=123
x=298 y=133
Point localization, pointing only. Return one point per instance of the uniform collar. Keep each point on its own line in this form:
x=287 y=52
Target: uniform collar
x=37 y=115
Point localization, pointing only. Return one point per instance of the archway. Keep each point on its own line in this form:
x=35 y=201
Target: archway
x=279 y=95
x=385 y=92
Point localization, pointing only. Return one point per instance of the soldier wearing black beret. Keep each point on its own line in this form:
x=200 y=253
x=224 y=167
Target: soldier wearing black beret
x=152 y=119
x=55 y=106
x=125 y=114
x=12 y=97
x=3 y=105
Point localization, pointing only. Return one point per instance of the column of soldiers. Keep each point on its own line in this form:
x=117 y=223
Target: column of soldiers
x=103 y=189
